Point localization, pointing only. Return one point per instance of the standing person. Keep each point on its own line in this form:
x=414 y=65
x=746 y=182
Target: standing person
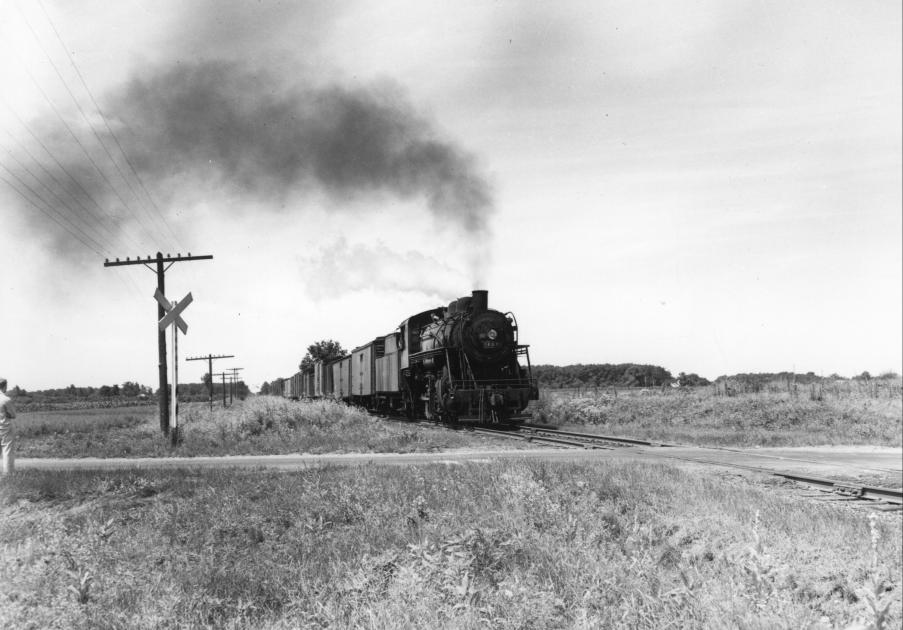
x=7 y=441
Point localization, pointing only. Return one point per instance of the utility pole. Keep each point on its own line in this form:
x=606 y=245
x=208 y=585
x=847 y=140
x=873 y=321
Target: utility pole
x=160 y=270
x=233 y=381
x=210 y=358
x=223 y=374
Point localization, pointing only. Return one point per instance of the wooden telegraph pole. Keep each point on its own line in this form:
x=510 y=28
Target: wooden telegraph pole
x=223 y=374
x=160 y=270
x=210 y=358
x=232 y=381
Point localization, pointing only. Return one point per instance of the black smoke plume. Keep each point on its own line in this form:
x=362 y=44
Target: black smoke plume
x=227 y=125
x=269 y=139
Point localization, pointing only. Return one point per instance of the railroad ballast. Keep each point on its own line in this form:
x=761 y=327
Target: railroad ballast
x=454 y=363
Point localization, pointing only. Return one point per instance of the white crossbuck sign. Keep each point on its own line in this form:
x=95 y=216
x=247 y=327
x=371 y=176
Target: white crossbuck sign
x=173 y=316
x=173 y=313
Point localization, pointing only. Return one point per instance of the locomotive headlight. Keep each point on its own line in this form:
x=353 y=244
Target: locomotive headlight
x=492 y=334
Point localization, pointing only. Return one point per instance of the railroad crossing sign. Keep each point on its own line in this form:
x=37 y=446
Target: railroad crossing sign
x=173 y=312
x=174 y=316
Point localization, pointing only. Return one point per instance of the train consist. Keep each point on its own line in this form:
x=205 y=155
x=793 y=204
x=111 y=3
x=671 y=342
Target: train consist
x=456 y=363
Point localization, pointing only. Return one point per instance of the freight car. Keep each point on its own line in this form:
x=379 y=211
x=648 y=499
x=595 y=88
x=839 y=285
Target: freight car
x=456 y=363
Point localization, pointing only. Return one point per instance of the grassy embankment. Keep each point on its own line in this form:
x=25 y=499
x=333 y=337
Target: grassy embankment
x=781 y=415
x=262 y=425
x=500 y=545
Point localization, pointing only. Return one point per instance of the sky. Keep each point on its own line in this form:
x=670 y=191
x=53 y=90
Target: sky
x=709 y=186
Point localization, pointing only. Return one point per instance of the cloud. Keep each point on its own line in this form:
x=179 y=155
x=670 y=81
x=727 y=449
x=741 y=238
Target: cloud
x=340 y=268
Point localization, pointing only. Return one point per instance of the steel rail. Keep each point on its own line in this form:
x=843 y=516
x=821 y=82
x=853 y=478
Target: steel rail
x=529 y=433
x=876 y=493
x=517 y=434
x=592 y=436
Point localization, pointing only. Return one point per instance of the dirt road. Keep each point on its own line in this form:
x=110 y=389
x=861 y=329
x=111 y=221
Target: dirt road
x=872 y=465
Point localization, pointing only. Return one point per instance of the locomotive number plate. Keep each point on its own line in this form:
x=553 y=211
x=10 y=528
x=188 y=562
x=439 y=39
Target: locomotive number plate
x=491 y=344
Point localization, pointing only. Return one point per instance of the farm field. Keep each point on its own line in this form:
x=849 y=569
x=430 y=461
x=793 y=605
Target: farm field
x=780 y=415
x=512 y=544
x=261 y=426
x=704 y=416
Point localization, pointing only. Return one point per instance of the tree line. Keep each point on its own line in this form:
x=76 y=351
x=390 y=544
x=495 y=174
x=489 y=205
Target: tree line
x=124 y=393
x=128 y=390
x=609 y=375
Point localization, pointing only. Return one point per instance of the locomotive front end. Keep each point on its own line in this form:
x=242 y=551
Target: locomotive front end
x=471 y=368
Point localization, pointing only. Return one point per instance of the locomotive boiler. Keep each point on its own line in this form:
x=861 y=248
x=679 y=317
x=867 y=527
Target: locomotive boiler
x=466 y=365
x=462 y=362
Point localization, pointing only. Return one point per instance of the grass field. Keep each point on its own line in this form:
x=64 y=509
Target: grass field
x=262 y=425
x=498 y=545
x=780 y=415
x=267 y=425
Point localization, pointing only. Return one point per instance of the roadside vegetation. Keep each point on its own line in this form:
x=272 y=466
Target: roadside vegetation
x=262 y=425
x=519 y=544
x=727 y=413
x=778 y=413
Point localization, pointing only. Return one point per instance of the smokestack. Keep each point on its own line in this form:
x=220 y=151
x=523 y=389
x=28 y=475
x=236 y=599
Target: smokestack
x=479 y=301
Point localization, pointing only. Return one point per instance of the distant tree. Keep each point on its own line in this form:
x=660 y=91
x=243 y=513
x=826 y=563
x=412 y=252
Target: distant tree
x=265 y=388
x=865 y=376
x=692 y=380
x=325 y=350
x=206 y=379
x=130 y=389
x=106 y=391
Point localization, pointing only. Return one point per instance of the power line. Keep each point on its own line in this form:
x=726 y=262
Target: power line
x=52 y=192
x=85 y=118
x=53 y=157
x=82 y=147
x=49 y=215
x=107 y=124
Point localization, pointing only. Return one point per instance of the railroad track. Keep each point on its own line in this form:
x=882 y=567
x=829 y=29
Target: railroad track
x=888 y=498
x=883 y=498
x=892 y=497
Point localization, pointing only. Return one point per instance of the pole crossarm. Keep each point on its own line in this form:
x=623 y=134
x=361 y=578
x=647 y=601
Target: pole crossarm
x=153 y=259
x=210 y=356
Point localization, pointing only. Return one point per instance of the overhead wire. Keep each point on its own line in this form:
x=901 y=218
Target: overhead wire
x=87 y=121
x=74 y=220
x=107 y=124
x=76 y=231
x=109 y=232
x=48 y=211
x=59 y=165
x=84 y=150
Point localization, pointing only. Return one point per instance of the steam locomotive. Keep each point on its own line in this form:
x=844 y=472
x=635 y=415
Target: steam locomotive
x=449 y=364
